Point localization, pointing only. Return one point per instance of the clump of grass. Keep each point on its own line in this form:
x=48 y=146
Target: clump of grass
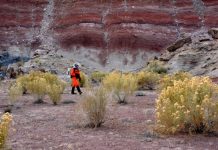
x=120 y=85
x=38 y=87
x=55 y=87
x=147 y=80
x=157 y=67
x=55 y=91
x=23 y=82
x=5 y=122
x=39 y=84
x=84 y=80
x=97 y=76
x=15 y=91
x=93 y=107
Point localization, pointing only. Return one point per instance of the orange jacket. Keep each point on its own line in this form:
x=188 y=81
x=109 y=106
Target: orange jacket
x=75 y=75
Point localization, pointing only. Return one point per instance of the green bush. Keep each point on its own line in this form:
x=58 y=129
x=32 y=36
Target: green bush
x=156 y=66
x=97 y=76
x=147 y=80
x=190 y=105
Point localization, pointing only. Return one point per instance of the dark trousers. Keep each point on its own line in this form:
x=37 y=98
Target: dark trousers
x=78 y=89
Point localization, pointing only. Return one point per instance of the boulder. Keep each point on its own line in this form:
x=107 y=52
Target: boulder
x=179 y=43
x=214 y=33
x=40 y=52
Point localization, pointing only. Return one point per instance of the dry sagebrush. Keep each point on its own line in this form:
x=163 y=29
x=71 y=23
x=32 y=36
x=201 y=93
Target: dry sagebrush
x=168 y=80
x=97 y=76
x=4 y=128
x=39 y=84
x=92 y=108
x=16 y=90
x=120 y=85
x=84 y=80
x=188 y=106
x=147 y=80
x=38 y=87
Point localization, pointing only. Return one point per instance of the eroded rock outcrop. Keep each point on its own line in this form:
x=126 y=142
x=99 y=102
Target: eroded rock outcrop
x=200 y=57
x=214 y=33
x=93 y=31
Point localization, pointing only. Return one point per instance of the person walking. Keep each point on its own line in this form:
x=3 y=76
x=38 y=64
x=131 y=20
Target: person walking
x=75 y=76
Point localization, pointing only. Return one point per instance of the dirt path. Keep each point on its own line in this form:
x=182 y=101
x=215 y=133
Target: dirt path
x=127 y=127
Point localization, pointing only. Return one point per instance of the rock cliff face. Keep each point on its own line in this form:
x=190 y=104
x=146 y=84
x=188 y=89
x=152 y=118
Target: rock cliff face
x=98 y=29
x=198 y=55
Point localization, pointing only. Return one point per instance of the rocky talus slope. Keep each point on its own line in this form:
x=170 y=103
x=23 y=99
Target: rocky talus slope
x=196 y=53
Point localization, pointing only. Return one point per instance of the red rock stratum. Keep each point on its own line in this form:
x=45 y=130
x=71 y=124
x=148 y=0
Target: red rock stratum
x=105 y=25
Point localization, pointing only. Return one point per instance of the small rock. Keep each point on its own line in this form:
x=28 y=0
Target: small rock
x=70 y=146
x=211 y=143
x=180 y=141
x=149 y=121
x=140 y=93
x=149 y=111
x=148 y=140
x=151 y=134
x=40 y=52
x=111 y=133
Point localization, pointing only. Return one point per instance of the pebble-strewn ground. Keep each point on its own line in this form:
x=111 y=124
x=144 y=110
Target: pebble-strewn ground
x=44 y=126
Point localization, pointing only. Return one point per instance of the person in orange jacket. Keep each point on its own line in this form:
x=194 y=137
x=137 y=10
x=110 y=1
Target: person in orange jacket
x=75 y=76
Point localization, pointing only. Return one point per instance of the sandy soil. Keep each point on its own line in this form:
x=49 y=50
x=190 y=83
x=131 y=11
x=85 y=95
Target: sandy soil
x=127 y=127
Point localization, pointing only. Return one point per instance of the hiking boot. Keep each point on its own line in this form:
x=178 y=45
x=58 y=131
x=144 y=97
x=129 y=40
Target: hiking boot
x=72 y=91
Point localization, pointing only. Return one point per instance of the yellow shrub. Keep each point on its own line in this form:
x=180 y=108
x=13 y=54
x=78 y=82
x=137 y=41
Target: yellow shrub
x=84 y=80
x=156 y=66
x=94 y=106
x=55 y=87
x=4 y=128
x=55 y=91
x=147 y=80
x=189 y=106
x=50 y=78
x=121 y=85
x=15 y=91
x=97 y=76
x=168 y=80
x=40 y=84
x=23 y=82
x=38 y=87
